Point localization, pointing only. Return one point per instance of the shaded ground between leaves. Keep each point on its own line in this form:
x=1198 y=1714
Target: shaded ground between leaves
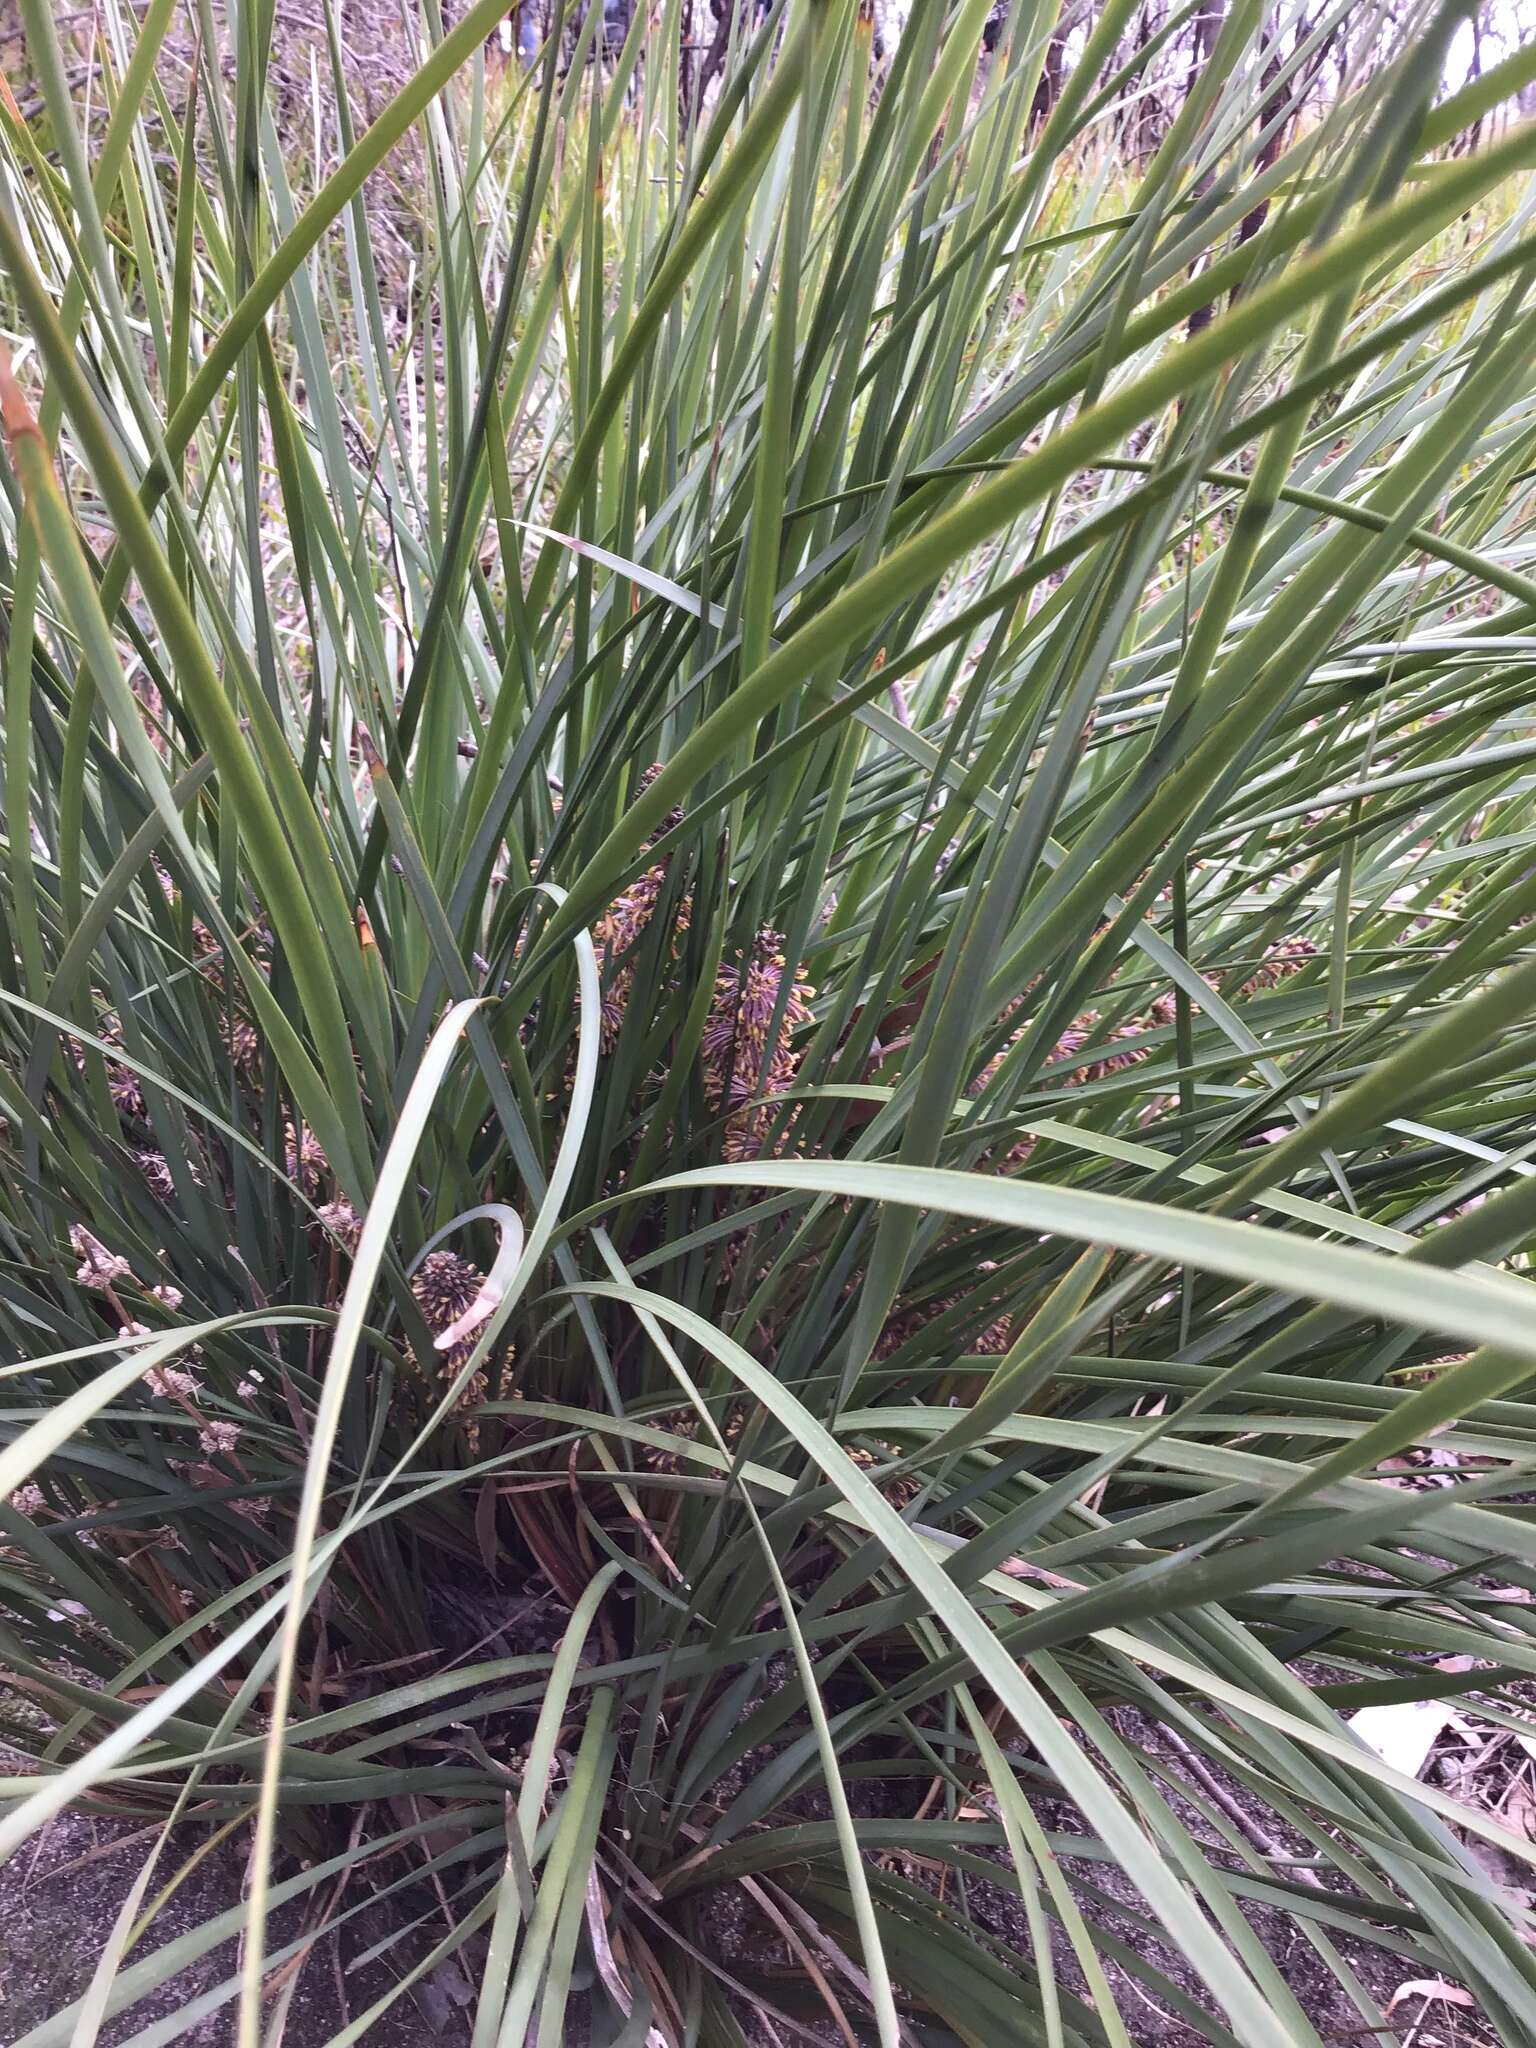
x=60 y=1897
x=1430 y=2016
x=61 y=1894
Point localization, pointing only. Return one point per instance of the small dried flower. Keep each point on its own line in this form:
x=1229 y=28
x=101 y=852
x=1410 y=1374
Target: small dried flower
x=1282 y=959
x=995 y=1339
x=738 y=1064
x=244 y=1044
x=168 y=1296
x=219 y=1437
x=747 y=1131
x=1112 y=1063
x=28 y=1500
x=620 y=928
x=171 y=1383
x=305 y=1160
x=343 y=1221
x=618 y=931
x=98 y=1267
x=678 y=1422
x=445 y=1286
x=473 y=1391
x=135 y=1329
x=1074 y=1038
x=909 y=1318
x=255 y=1507
x=248 y=1388
x=157 y=1174
x=674 y=816
x=126 y=1090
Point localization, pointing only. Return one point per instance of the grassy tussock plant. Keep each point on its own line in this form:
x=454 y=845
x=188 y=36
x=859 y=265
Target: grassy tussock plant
x=765 y=1032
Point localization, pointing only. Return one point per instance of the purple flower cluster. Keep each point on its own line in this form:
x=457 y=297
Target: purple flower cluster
x=745 y=1058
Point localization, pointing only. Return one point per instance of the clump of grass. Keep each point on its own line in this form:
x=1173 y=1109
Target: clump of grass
x=763 y=1000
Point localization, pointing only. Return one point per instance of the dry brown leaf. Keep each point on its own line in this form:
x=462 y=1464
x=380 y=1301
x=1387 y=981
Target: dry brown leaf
x=1434 y=1988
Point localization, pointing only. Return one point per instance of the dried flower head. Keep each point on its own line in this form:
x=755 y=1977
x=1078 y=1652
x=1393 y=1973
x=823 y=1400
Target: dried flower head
x=343 y=1221
x=740 y=1064
x=445 y=1286
x=244 y=1044
x=1282 y=959
x=98 y=1267
x=219 y=1438
x=738 y=1061
x=995 y=1339
x=908 y=1318
x=618 y=931
x=747 y=1131
x=1073 y=1039
x=673 y=817
x=157 y=1174
x=123 y=1084
x=682 y=1423
x=168 y=1296
x=126 y=1090
x=621 y=926
x=304 y=1158
x=473 y=1391
x=171 y=1382
x=28 y=1500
